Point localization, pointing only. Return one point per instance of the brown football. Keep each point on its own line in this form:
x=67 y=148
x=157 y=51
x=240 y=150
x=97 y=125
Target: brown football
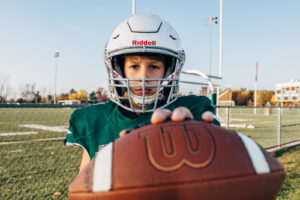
x=182 y=160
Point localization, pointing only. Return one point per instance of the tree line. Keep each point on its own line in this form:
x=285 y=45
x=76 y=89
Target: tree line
x=29 y=94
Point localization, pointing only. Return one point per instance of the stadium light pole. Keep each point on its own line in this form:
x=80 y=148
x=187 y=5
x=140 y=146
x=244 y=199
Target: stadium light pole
x=220 y=49
x=210 y=21
x=221 y=38
x=56 y=55
x=133 y=7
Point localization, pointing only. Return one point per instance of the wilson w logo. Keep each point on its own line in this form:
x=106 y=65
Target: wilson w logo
x=171 y=147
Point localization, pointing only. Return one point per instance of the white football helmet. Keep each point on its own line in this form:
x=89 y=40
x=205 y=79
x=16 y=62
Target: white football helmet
x=144 y=34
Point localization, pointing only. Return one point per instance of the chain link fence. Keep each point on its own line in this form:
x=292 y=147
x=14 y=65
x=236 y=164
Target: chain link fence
x=269 y=126
x=34 y=163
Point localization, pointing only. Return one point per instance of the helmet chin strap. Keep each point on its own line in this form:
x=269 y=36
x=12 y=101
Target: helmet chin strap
x=149 y=100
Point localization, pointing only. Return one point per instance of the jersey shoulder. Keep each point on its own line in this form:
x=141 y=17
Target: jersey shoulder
x=196 y=104
x=92 y=111
x=192 y=100
x=85 y=120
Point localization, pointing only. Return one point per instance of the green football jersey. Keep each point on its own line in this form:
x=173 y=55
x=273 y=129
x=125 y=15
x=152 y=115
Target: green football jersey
x=94 y=126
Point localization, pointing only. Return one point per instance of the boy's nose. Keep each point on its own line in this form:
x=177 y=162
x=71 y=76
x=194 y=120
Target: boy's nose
x=143 y=73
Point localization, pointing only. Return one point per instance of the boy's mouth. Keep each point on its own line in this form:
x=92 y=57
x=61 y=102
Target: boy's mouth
x=139 y=91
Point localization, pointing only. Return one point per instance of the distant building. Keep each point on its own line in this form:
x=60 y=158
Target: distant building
x=225 y=98
x=287 y=92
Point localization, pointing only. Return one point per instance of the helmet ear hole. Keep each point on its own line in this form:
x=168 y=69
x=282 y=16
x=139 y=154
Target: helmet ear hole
x=118 y=64
x=170 y=63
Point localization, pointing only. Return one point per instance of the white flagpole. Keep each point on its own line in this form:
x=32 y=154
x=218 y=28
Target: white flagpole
x=221 y=38
x=255 y=85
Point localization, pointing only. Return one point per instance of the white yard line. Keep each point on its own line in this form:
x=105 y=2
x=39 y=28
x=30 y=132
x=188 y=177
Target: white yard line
x=16 y=151
x=18 y=133
x=46 y=128
x=36 y=140
x=239 y=120
x=238 y=125
x=50 y=147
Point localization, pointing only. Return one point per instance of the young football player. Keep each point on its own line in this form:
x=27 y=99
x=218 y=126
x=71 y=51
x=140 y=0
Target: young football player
x=144 y=59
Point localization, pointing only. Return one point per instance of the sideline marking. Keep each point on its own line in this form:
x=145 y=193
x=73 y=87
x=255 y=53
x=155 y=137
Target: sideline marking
x=18 y=133
x=36 y=140
x=46 y=128
x=16 y=151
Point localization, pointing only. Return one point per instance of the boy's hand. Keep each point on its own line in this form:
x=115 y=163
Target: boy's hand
x=179 y=114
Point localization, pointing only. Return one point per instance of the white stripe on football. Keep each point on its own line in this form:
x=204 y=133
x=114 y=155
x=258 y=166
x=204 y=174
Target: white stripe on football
x=257 y=157
x=103 y=169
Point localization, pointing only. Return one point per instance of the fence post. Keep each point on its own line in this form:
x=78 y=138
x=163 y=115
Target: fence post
x=278 y=125
x=227 y=117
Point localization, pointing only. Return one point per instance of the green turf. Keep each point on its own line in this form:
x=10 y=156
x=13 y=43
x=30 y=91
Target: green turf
x=34 y=169
x=290 y=159
x=12 y=118
x=37 y=170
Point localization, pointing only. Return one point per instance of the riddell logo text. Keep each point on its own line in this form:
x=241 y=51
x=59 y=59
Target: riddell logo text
x=144 y=42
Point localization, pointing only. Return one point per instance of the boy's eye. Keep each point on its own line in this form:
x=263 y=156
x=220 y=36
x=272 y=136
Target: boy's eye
x=134 y=66
x=154 y=66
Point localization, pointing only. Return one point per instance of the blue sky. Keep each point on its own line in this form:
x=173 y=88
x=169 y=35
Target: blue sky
x=33 y=30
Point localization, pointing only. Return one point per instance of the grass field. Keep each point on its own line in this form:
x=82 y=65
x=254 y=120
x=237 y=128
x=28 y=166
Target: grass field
x=32 y=167
x=34 y=163
x=290 y=158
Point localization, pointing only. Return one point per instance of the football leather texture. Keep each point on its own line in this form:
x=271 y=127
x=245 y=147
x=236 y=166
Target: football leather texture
x=180 y=160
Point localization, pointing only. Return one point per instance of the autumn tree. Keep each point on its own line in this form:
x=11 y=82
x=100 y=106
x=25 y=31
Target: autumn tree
x=82 y=95
x=274 y=102
x=241 y=97
x=73 y=96
x=101 y=95
x=264 y=96
x=63 y=96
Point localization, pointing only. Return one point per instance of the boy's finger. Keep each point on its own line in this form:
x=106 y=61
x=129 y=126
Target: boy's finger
x=208 y=116
x=180 y=114
x=160 y=115
x=122 y=133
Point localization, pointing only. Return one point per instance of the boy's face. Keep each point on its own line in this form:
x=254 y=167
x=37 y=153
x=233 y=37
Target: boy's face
x=143 y=67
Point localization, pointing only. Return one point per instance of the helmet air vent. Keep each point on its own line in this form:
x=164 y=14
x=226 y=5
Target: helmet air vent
x=173 y=37
x=115 y=37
